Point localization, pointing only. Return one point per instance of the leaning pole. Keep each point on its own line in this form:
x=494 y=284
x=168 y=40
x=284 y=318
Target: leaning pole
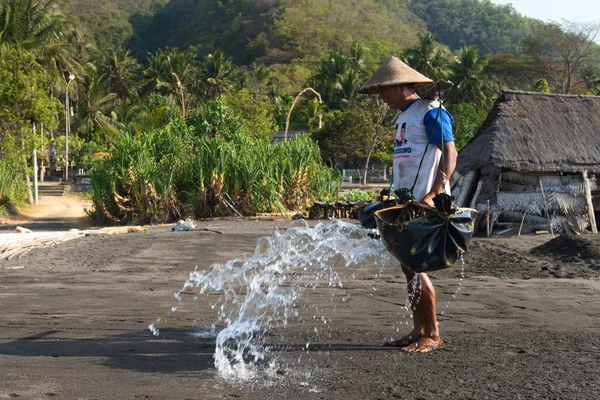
x=287 y=120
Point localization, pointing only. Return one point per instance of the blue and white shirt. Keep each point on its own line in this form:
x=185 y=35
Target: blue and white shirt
x=418 y=120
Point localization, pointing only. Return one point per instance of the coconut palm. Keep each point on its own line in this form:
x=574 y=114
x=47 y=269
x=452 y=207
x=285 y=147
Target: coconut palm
x=260 y=79
x=37 y=28
x=590 y=75
x=468 y=74
x=217 y=70
x=328 y=73
x=95 y=106
x=121 y=71
x=339 y=77
x=427 y=57
x=171 y=72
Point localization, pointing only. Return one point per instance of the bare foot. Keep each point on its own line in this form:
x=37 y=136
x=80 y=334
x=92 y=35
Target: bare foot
x=424 y=345
x=403 y=341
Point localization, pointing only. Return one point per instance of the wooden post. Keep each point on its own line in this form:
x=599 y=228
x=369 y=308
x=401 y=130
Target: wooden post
x=35 y=177
x=546 y=206
x=42 y=167
x=488 y=218
x=588 y=198
x=522 y=221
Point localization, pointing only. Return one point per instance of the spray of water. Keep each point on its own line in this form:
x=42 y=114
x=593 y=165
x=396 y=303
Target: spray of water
x=261 y=292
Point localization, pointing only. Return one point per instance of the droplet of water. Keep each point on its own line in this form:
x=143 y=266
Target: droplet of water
x=257 y=292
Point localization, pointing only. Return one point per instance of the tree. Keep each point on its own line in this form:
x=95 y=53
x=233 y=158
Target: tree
x=590 y=75
x=468 y=74
x=46 y=34
x=339 y=76
x=358 y=134
x=174 y=73
x=507 y=72
x=255 y=110
x=217 y=70
x=540 y=85
x=467 y=120
x=121 y=70
x=560 y=51
x=260 y=79
x=427 y=57
x=95 y=107
x=24 y=100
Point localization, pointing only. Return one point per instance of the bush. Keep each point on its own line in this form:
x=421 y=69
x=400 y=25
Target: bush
x=359 y=195
x=13 y=187
x=176 y=171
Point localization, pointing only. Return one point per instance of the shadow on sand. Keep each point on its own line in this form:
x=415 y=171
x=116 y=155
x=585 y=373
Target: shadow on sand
x=174 y=351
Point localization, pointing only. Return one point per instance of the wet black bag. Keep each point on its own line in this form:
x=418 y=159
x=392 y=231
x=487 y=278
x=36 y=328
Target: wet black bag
x=423 y=238
x=366 y=213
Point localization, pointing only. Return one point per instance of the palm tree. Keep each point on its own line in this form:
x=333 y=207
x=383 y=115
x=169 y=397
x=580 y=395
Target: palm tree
x=121 y=71
x=95 y=108
x=468 y=74
x=326 y=79
x=590 y=75
x=171 y=72
x=260 y=79
x=37 y=28
x=216 y=72
x=427 y=57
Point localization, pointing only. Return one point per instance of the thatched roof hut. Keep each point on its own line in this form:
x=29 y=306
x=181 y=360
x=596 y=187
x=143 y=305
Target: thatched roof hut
x=527 y=142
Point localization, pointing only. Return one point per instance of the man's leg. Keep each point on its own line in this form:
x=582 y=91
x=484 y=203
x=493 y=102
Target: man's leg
x=424 y=311
x=413 y=297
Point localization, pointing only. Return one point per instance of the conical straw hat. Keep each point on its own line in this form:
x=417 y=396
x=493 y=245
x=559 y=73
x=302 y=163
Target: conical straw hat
x=393 y=72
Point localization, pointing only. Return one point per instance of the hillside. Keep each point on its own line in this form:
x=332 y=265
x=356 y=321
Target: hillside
x=110 y=23
x=281 y=30
x=491 y=28
x=278 y=31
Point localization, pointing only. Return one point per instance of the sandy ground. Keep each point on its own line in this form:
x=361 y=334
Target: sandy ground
x=74 y=323
x=51 y=213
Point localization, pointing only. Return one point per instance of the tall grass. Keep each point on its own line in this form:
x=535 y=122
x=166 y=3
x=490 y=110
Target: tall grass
x=174 y=172
x=13 y=187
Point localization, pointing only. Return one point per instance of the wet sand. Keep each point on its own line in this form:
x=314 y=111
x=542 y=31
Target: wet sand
x=74 y=324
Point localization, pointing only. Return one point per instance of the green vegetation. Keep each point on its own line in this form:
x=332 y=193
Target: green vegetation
x=359 y=195
x=13 y=188
x=489 y=27
x=111 y=23
x=281 y=30
x=186 y=128
x=176 y=171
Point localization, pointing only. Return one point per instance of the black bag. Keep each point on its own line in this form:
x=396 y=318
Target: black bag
x=366 y=213
x=423 y=238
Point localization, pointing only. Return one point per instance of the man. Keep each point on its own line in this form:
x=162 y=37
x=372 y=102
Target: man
x=421 y=125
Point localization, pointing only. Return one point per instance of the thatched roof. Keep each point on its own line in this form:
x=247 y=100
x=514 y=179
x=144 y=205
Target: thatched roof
x=537 y=132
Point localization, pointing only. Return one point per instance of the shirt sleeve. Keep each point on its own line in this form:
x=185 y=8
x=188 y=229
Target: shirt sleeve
x=443 y=123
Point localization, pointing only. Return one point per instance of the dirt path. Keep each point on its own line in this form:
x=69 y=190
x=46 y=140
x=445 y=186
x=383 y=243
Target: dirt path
x=51 y=213
x=74 y=324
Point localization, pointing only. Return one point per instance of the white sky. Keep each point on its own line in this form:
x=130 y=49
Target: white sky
x=556 y=10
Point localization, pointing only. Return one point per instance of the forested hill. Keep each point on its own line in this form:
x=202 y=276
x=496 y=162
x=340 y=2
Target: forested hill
x=110 y=23
x=491 y=28
x=281 y=30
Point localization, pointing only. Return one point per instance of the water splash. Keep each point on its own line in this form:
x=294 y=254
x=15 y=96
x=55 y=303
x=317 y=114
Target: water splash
x=261 y=292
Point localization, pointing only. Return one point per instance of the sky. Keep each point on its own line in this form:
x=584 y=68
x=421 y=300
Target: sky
x=556 y=10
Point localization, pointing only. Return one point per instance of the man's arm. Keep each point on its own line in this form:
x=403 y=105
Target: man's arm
x=450 y=155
